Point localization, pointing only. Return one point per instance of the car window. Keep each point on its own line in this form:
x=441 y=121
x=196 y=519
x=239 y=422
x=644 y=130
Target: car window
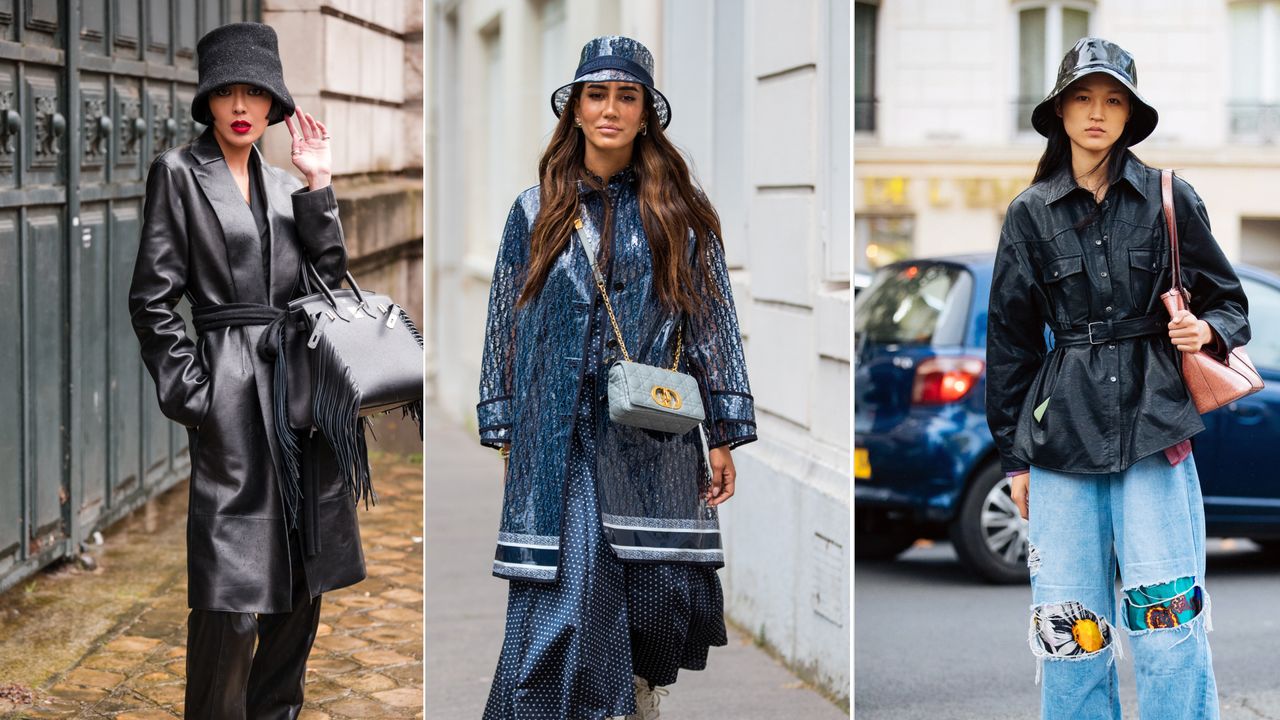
x=917 y=303
x=1264 y=321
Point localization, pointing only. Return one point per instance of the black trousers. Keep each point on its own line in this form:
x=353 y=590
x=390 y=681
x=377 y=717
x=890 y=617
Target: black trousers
x=227 y=679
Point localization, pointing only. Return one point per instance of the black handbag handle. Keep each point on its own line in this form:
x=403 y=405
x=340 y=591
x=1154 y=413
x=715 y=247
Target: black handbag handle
x=312 y=273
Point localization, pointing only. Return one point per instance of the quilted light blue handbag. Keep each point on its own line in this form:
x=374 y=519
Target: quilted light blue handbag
x=640 y=395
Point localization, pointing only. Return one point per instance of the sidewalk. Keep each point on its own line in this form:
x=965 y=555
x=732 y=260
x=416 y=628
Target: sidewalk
x=110 y=643
x=466 y=607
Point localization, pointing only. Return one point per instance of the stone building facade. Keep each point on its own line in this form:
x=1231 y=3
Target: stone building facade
x=760 y=92
x=357 y=65
x=943 y=97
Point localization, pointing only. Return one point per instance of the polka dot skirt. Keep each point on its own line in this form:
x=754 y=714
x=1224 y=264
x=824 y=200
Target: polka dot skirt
x=572 y=646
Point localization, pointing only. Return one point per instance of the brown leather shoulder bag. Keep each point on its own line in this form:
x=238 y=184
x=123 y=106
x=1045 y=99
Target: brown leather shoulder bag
x=1211 y=383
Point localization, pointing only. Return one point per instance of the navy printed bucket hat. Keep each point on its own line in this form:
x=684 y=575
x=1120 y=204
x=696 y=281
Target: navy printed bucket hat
x=614 y=58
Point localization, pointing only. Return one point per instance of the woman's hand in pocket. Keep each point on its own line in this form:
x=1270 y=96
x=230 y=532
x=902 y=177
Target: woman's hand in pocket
x=723 y=476
x=1018 y=487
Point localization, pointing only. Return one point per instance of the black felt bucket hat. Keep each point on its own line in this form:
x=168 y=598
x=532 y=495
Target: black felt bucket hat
x=614 y=58
x=1095 y=55
x=241 y=53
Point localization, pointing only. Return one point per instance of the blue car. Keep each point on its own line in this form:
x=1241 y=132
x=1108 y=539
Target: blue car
x=925 y=464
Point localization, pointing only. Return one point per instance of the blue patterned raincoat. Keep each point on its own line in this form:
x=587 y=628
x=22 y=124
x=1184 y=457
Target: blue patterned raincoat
x=651 y=485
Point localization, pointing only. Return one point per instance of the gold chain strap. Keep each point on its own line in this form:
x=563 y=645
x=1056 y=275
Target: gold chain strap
x=613 y=319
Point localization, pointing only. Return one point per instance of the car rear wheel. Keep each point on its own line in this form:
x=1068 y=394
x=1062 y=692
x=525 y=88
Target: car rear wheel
x=989 y=533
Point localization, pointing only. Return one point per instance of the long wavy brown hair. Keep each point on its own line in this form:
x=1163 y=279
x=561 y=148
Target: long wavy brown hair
x=670 y=206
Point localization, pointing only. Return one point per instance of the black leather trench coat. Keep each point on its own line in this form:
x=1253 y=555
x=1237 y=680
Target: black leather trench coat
x=199 y=240
x=1106 y=404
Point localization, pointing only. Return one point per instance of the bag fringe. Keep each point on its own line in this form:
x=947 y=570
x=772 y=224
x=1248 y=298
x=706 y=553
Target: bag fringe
x=413 y=410
x=271 y=346
x=335 y=406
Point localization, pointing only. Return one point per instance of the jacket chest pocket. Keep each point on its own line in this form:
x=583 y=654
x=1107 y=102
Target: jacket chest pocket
x=1068 y=287
x=1144 y=266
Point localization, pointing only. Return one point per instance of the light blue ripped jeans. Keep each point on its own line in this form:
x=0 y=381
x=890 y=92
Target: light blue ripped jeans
x=1150 y=518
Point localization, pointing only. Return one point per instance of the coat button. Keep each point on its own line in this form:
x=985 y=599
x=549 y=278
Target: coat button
x=1113 y=378
x=1097 y=242
x=1106 y=237
x=1055 y=273
x=1111 y=347
x=1108 y=308
x=1104 y=273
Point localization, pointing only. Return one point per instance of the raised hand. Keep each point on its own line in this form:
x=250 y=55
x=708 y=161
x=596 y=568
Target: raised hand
x=310 y=148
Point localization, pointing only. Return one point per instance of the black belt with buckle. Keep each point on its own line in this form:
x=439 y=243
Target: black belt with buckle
x=1105 y=331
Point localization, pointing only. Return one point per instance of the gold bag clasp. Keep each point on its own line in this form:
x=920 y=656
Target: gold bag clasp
x=666 y=397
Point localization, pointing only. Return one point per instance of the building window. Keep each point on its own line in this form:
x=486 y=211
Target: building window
x=864 y=67
x=495 y=131
x=553 y=37
x=1254 y=107
x=882 y=239
x=1046 y=31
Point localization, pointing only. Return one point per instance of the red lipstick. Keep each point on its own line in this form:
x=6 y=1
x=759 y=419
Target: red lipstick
x=241 y=126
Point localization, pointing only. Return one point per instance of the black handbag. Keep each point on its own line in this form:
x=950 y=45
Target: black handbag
x=350 y=353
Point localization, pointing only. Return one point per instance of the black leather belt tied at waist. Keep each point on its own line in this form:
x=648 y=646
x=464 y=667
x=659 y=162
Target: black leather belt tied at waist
x=215 y=317
x=1106 y=331
x=271 y=348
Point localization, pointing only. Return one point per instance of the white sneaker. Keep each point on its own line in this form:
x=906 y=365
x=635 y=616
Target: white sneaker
x=647 y=700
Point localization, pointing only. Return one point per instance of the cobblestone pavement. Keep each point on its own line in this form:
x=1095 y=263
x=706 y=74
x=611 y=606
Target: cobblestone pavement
x=367 y=661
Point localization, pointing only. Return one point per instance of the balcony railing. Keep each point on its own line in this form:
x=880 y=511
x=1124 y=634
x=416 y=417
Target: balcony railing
x=1253 y=122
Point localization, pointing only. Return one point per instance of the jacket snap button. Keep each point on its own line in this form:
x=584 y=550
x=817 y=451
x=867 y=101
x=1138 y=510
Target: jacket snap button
x=1104 y=274
x=1106 y=237
x=1111 y=347
x=1055 y=273
x=1113 y=378
x=1097 y=242
x=1108 y=308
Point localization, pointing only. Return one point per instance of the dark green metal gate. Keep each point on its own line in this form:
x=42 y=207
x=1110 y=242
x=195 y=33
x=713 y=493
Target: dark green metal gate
x=90 y=92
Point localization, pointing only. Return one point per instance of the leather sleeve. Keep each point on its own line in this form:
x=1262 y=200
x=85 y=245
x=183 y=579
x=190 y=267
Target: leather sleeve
x=1015 y=341
x=1216 y=294
x=494 y=412
x=159 y=281
x=713 y=346
x=319 y=231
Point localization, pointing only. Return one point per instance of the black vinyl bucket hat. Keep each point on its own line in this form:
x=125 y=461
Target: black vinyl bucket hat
x=241 y=53
x=1095 y=55
x=613 y=58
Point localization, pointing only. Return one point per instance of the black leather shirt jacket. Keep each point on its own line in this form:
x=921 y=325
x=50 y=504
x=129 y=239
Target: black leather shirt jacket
x=1110 y=401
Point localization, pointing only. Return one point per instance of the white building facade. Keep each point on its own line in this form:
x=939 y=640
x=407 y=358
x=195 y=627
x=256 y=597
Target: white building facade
x=760 y=92
x=944 y=91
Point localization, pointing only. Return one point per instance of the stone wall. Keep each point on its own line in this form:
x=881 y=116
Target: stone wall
x=357 y=66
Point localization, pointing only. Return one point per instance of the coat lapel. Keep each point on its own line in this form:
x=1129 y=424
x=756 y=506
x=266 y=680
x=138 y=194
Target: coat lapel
x=239 y=231
x=284 y=251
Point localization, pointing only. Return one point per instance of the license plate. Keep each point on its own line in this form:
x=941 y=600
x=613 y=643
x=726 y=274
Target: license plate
x=861 y=464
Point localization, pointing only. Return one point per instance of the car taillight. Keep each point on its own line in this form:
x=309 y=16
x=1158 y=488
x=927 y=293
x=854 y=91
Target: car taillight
x=942 y=380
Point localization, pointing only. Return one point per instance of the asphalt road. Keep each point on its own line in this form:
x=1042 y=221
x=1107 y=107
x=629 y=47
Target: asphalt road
x=931 y=642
